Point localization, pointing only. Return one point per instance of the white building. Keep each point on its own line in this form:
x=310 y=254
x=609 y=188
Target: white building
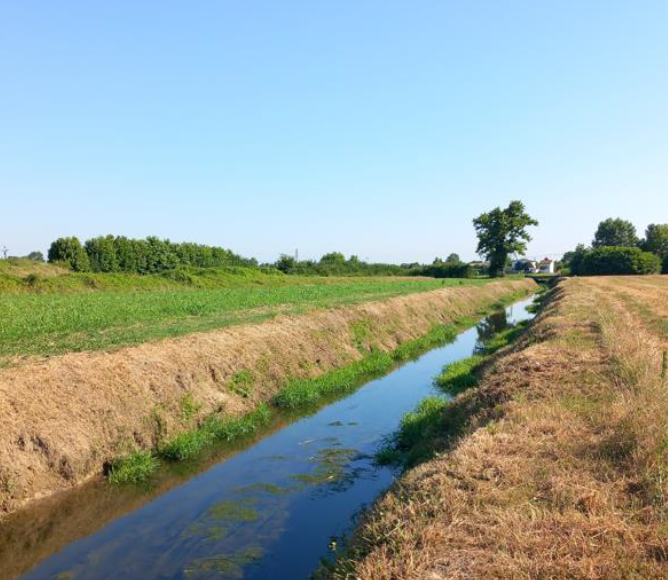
x=546 y=266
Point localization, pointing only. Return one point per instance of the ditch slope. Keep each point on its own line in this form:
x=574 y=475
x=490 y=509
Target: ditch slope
x=559 y=467
x=66 y=417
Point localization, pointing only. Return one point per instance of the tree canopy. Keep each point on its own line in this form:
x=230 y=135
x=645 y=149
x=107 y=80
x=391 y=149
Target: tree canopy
x=656 y=240
x=615 y=232
x=502 y=232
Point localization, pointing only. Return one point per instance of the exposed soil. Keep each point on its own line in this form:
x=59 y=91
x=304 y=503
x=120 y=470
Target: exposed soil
x=560 y=471
x=64 y=418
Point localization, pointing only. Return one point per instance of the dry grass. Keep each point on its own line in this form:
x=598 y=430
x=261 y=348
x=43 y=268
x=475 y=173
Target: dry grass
x=563 y=473
x=63 y=418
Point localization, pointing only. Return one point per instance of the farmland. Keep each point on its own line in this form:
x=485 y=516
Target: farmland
x=74 y=312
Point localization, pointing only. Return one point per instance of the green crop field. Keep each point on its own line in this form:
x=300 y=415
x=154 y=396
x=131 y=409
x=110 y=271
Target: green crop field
x=46 y=323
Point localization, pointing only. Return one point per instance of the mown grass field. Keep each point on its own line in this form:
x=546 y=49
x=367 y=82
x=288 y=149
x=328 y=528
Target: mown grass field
x=559 y=440
x=51 y=322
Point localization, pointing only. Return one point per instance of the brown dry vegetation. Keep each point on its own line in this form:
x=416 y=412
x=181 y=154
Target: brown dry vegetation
x=63 y=418
x=562 y=471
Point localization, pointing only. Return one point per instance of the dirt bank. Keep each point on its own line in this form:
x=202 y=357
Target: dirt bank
x=560 y=470
x=63 y=418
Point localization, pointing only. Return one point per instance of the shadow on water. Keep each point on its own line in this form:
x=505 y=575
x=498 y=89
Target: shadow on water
x=266 y=507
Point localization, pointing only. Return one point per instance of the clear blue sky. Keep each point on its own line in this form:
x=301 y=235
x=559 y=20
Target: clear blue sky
x=372 y=127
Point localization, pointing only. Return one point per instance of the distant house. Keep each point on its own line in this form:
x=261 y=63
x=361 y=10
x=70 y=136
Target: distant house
x=525 y=265
x=546 y=266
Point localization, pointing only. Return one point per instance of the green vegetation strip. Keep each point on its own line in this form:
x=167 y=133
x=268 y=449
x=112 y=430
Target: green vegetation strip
x=419 y=430
x=297 y=394
x=48 y=324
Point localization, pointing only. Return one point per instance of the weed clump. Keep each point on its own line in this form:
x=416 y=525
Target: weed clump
x=138 y=467
x=189 y=444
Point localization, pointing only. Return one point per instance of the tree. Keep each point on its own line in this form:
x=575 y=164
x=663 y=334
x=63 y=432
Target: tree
x=656 y=240
x=333 y=258
x=574 y=261
x=71 y=252
x=35 y=256
x=286 y=263
x=453 y=259
x=102 y=254
x=615 y=232
x=502 y=232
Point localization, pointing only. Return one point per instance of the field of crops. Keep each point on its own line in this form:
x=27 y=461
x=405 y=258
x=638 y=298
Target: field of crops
x=53 y=323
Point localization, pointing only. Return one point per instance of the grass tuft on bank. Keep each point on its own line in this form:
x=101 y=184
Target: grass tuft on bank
x=134 y=468
x=422 y=430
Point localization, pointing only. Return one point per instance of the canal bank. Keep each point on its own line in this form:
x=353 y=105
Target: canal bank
x=275 y=505
x=65 y=418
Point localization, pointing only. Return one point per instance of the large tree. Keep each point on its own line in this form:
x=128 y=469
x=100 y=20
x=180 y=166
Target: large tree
x=502 y=232
x=615 y=232
x=656 y=240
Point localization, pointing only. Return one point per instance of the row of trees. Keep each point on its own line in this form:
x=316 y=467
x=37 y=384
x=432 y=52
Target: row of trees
x=141 y=256
x=336 y=264
x=617 y=249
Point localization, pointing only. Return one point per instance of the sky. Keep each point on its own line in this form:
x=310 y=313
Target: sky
x=372 y=127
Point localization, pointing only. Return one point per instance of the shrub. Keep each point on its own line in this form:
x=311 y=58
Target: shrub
x=149 y=256
x=444 y=270
x=69 y=251
x=613 y=260
x=35 y=256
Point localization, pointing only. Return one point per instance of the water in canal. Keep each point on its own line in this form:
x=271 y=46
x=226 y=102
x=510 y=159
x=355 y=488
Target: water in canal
x=271 y=509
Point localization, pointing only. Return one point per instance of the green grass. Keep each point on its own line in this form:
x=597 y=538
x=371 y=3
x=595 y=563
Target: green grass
x=300 y=393
x=137 y=467
x=412 y=441
x=48 y=324
x=459 y=376
x=191 y=443
x=416 y=437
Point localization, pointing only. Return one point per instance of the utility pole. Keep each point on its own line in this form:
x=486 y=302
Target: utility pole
x=5 y=249
x=297 y=255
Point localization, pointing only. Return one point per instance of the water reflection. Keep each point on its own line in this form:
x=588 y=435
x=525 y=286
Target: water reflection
x=490 y=326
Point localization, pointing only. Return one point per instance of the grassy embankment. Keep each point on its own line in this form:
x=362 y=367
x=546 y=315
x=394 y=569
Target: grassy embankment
x=551 y=463
x=68 y=312
x=296 y=394
x=170 y=398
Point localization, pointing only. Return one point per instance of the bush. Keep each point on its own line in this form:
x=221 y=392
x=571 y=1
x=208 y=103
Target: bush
x=613 y=260
x=665 y=266
x=149 y=256
x=444 y=270
x=69 y=251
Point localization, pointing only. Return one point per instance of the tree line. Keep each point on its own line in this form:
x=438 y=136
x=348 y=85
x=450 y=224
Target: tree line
x=141 y=256
x=617 y=249
x=336 y=264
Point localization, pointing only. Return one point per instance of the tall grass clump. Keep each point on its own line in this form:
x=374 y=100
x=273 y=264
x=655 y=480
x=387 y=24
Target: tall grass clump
x=138 y=467
x=191 y=443
x=412 y=442
x=460 y=375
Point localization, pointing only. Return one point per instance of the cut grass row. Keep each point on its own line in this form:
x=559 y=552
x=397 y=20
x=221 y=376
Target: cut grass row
x=296 y=395
x=48 y=324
